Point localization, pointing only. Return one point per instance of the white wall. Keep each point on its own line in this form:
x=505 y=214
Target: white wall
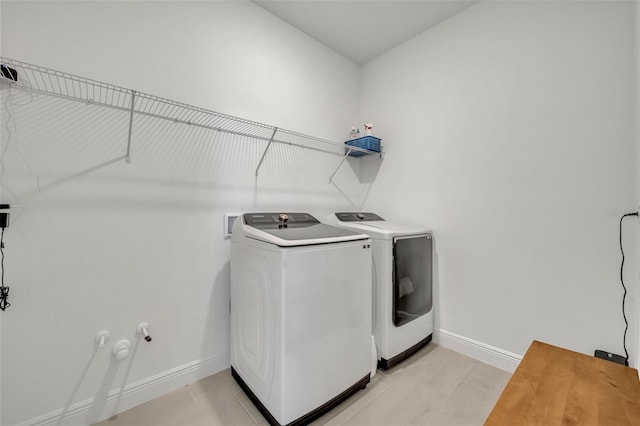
x=637 y=114
x=97 y=244
x=509 y=130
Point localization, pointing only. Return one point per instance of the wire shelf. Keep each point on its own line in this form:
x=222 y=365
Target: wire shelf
x=57 y=83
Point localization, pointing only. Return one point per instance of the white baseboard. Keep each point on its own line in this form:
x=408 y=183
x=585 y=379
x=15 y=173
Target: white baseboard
x=491 y=355
x=132 y=395
x=152 y=387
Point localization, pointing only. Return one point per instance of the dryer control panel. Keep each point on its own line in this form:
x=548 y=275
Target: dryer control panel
x=358 y=217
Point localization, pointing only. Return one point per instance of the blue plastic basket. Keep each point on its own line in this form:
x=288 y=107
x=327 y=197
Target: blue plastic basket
x=370 y=143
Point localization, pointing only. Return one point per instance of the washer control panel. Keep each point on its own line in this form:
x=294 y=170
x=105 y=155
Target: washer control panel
x=358 y=217
x=268 y=220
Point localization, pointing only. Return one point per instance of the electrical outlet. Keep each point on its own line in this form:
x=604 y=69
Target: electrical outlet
x=4 y=216
x=229 y=220
x=618 y=359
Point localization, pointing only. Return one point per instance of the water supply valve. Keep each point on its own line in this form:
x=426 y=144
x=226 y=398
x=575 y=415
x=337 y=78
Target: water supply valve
x=143 y=329
x=101 y=338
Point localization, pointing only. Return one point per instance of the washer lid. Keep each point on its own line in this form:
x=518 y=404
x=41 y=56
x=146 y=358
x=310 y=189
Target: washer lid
x=375 y=226
x=294 y=229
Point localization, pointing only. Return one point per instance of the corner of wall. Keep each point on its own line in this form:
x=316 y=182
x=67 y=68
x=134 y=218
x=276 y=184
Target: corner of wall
x=636 y=113
x=491 y=355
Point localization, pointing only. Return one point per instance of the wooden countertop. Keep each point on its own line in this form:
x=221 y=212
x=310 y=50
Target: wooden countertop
x=555 y=386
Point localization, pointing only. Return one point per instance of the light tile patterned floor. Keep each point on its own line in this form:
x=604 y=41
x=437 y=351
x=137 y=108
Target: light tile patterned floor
x=434 y=387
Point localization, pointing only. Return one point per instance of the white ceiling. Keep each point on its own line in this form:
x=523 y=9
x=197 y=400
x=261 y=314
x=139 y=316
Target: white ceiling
x=360 y=30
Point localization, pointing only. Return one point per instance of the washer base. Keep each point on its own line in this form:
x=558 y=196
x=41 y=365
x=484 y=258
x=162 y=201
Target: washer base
x=309 y=417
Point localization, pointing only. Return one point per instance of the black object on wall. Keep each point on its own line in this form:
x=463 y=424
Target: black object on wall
x=4 y=223
x=619 y=359
x=8 y=72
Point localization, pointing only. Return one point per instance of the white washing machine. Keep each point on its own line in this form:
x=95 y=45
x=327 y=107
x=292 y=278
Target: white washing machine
x=300 y=314
x=402 y=284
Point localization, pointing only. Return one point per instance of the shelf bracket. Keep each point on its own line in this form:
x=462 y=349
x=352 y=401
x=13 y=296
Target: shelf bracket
x=275 y=129
x=127 y=157
x=339 y=165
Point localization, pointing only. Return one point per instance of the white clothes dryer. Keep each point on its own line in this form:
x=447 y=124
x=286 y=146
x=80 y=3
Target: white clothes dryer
x=300 y=314
x=402 y=284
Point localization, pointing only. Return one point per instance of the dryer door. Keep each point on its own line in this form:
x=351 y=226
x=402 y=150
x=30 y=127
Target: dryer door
x=412 y=277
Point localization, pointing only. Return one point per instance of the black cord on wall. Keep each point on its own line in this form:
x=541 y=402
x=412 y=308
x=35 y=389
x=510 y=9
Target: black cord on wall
x=624 y=296
x=4 y=291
